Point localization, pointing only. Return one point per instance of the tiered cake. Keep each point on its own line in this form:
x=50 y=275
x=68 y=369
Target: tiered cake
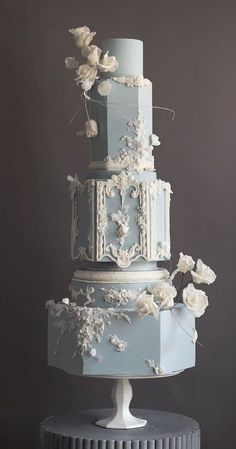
x=121 y=319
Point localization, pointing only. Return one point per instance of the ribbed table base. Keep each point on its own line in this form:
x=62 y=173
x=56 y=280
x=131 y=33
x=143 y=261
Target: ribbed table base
x=163 y=431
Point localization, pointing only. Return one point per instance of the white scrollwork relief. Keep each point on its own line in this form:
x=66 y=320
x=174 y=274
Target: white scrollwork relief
x=102 y=218
x=77 y=188
x=102 y=240
x=123 y=257
x=122 y=182
x=120 y=297
x=84 y=292
x=142 y=218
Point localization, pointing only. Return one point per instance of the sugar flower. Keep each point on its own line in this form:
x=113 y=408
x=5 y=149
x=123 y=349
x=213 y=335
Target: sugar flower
x=195 y=300
x=203 y=274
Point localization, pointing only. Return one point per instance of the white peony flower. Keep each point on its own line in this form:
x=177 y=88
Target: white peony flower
x=92 y=54
x=86 y=76
x=203 y=274
x=164 y=294
x=71 y=63
x=195 y=300
x=82 y=35
x=91 y=129
x=185 y=264
x=147 y=306
x=108 y=64
x=104 y=88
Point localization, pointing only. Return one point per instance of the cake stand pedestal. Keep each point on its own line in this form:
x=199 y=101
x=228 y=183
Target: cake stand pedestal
x=121 y=417
x=163 y=431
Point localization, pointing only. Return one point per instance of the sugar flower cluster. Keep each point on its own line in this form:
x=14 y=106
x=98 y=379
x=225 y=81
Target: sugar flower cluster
x=165 y=296
x=95 y=61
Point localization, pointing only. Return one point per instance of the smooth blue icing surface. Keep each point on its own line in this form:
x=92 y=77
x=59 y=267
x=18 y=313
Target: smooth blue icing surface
x=129 y=54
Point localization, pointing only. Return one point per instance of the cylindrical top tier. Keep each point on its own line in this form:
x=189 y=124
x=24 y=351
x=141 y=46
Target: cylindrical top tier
x=129 y=54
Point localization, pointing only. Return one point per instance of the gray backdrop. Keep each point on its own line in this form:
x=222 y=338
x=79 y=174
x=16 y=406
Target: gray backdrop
x=190 y=57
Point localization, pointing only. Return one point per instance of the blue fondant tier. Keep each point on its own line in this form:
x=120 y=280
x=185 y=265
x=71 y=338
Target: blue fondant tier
x=106 y=289
x=129 y=54
x=124 y=119
x=120 y=219
x=126 y=345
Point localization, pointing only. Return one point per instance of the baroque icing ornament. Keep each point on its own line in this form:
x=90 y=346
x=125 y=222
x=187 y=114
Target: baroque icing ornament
x=119 y=297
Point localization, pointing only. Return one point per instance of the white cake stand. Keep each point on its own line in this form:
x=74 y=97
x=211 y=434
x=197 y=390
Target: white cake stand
x=121 y=417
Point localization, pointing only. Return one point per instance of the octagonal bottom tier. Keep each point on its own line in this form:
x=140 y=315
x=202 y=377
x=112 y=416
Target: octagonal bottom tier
x=124 y=345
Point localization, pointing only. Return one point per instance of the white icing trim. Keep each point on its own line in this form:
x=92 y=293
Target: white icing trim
x=158 y=370
x=120 y=297
x=119 y=345
x=111 y=165
x=120 y=277
x=131 y=81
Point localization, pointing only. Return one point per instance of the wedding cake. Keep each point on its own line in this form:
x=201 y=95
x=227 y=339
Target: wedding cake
x=124 y=316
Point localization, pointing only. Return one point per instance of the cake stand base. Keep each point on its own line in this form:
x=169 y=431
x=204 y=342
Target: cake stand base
x=163 y=430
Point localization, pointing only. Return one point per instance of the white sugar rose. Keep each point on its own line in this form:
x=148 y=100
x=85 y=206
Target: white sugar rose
x=147 y=306
x=164 y=294
x=92 y=54
x=71 y=63
x=195 y=300
x=91 y=129
x=82 y=35
x=185 y=264
x=86 y=76
x=104 y=88
x=203 y=274
x=108 y=64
